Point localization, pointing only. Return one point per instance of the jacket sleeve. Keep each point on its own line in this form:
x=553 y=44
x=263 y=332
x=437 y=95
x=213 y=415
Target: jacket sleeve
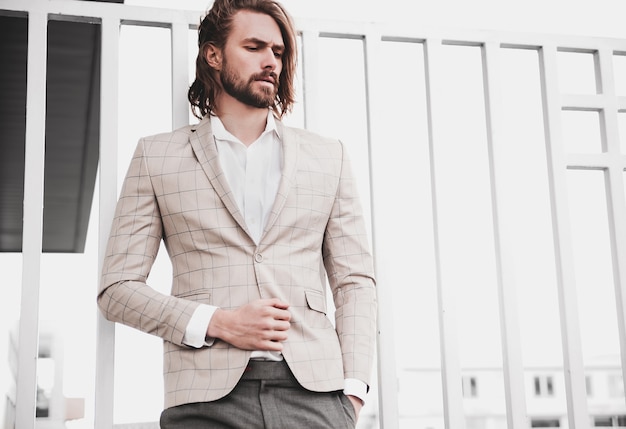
x=136 y=233
x=350 y=271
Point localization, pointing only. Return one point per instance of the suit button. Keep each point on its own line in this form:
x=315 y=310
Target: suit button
x=258 y=257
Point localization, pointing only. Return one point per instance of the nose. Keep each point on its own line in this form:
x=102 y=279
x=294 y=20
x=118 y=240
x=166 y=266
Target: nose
x=269 y=60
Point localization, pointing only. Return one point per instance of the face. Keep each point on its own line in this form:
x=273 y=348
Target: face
x=251 y=60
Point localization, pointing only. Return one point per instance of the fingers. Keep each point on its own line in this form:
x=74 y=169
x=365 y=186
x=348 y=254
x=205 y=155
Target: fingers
x=275 y=302
x=271 y=346
x=272 y=338
x=280 y=325
x=276 y=321
x=283 y=316
x=277 y=327
x=259 y=325
x=275 y=324
x=278 y=309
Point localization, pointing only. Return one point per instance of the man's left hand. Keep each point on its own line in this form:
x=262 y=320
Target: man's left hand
x=357 y=404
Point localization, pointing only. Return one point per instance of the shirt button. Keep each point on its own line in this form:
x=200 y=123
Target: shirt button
x=258 y=257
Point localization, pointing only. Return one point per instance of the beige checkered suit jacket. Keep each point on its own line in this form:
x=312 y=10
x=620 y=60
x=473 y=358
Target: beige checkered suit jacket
x=175 y=191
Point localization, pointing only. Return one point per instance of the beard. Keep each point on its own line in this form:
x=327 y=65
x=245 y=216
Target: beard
x=245 y=92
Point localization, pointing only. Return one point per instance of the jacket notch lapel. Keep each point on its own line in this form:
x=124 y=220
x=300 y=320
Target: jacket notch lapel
x=290 y=144
x=205 y=149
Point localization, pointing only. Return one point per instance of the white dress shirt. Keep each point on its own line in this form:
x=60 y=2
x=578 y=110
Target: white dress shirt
x=253 y=173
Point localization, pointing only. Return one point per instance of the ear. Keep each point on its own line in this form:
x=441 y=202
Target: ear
x=213 y=56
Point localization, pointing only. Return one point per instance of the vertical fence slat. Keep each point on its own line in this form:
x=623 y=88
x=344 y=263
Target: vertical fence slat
x=387 y=374
x=180 y=74
x=33 y=219
x=450 y=367
x=511 y=342
x=578 y=415
x=105 y=341
x=310 y=80
x=615 y=193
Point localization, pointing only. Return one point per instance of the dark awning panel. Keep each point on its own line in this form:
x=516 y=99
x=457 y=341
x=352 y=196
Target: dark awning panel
x=72 y=132
x=13 y=52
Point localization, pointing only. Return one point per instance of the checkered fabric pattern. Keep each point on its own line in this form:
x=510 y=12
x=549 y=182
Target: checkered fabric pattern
x=175 y=191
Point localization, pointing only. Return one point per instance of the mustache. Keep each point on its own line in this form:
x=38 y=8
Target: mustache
x=264 y=76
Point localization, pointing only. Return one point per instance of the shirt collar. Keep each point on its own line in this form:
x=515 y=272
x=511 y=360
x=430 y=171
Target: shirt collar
x=221 y=133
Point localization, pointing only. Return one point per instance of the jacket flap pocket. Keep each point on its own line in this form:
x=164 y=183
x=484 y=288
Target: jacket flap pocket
x=316 y=300
x=199 y=295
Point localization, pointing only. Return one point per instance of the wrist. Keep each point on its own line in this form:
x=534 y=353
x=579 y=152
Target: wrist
x=214 y=329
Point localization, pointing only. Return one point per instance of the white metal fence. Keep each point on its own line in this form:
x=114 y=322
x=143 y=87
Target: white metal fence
x=450 y=202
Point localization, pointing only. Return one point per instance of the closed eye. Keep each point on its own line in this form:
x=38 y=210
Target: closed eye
x=253 y=44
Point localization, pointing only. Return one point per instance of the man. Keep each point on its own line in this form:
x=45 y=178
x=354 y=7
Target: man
x=255 y=216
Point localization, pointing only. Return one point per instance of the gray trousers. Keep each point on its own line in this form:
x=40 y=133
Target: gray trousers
x=267 y=397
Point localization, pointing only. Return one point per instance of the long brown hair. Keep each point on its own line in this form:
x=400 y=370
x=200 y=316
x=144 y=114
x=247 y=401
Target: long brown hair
x=215 y=28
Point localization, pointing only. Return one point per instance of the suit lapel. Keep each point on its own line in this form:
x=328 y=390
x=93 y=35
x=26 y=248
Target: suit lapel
x=290 y=144
x=203 y=145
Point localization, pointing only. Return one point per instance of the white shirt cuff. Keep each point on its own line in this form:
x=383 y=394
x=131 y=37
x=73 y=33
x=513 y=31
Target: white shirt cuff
x=195 y=333
x=355 y=387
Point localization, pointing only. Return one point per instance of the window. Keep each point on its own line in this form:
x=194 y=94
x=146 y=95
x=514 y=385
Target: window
x=544 y=386
x=610 y=421
x=545 y=423
x=589 y=385
x=602 y=422
x=470 y=389
x=616 y=386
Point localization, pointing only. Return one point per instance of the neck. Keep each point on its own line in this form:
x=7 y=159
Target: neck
x=243 y=121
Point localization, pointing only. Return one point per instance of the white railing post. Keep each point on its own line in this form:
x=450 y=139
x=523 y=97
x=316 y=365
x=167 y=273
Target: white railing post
x=616 y=195
x=578 y=415
x=33 y=220
x=387 y=372
x=511 y=342
x=180 y=74
x=312 y=99
x=105 y=341
x=454 y=416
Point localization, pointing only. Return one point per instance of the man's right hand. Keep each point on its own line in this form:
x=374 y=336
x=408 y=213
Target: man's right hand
x=259 y=325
